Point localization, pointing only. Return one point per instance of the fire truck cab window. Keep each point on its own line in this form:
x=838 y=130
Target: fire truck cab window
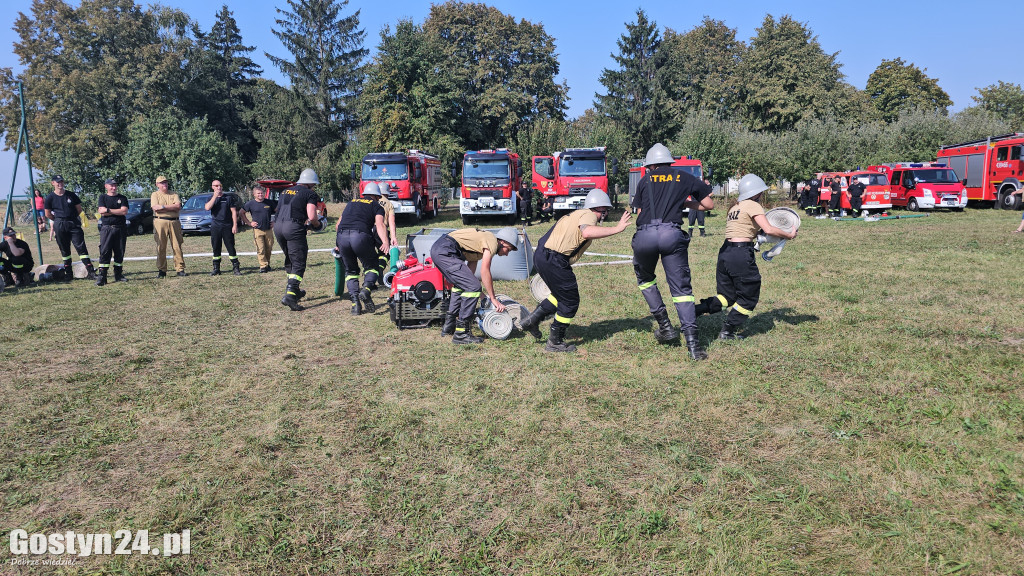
x=574 y=166
x=1015 y=154
x=1001 y=154
x=385 y=171
x=544 y=167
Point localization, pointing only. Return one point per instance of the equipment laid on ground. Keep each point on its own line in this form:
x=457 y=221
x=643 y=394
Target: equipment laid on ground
x=419 y=294
x=499 y=325
x=785 y=219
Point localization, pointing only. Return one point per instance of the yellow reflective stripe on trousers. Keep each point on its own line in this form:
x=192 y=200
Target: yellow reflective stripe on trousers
x=647 y=285
x=742 y=310
x=562 y=319
x=347 y=278
x=456 y=291
x=552 y=299
x=470 y=294
x=683 y=299
x=295 y=277
x=725 y=303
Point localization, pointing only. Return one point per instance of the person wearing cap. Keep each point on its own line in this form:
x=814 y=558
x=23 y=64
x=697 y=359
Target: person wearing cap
x=296 y=209
x=261 y=209
x=359 y=238
x=457 y=255
x=738 y=279
x=63 y=207
x=16 y=261
x=556 y=252
x=660 y=197
x=112 y=208
x=166 y=227
x=224 y=211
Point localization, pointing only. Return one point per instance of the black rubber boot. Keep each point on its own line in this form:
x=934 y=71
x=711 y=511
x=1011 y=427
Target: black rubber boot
x=464 y=334
x=450 y=319
x=693 y=345
x=300 y=294
x=532 y=322
x=665 y=333
x=367 y=299
x=236 y=268
x=291 y=298
x=101 y=278
x=702 y=232
x=729 y=332
x=357 y=306
x=555 y=340
x=69 y=273
x=92 y=271
x=119 y=274
x=705 y=306
x=216 y=268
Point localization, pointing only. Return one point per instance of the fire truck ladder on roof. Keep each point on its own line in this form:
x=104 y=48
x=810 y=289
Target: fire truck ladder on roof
x=985 y=141
x=23 y=142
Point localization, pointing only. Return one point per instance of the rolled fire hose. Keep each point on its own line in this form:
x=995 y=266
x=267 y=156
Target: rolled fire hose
x=499 y=325
x=785 y=219
x=339 y=273
x=539 y=289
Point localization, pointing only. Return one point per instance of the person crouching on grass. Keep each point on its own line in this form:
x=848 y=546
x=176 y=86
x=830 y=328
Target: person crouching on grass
x=557 y=250
x=739 y=281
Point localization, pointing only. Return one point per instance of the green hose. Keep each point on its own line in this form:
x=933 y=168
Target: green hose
x=339 y=276
x=897 y=217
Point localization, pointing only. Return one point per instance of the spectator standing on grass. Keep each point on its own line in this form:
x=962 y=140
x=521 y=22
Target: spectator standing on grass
x=224 y=210
x=739 y=281
x=813 y=190
x=457 y=255
x=39 y=203
x=660 y=197
x=556 y=252
x=112 y=208
x=261 y=210
x=63 y=207
x=696 y=216
x=166 y=227
x=525 y=197
x=856 y=190
x=360 y=238
x=296 y=209
x=835 y=201
x=16 y=261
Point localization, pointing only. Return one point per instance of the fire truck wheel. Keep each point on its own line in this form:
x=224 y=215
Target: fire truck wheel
x=912 y=205
x=418 y=214
x=1008 y=200
x=433 y=209
x=466 y=220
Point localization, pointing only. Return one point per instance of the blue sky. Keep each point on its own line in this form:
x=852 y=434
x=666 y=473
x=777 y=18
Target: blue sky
x=960 y=44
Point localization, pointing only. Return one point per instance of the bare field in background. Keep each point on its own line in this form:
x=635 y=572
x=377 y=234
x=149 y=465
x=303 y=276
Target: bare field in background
x=872 y=422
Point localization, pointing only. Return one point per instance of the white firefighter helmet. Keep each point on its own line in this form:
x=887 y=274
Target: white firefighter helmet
x=372 y=189
x=658 y=154
x=597 y=198
x=510 y=235
x=308 y=176
x=751 y=185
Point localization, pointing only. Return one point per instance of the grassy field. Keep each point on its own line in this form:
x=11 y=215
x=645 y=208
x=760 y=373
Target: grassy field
x=872 y=422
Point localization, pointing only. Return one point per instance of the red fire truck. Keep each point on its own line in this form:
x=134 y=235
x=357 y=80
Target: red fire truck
x=992 y=169
x=411 y=180
x=490 y=179
x=923 y=185
x=877 y=194
x=688 y=164
x=567 y=176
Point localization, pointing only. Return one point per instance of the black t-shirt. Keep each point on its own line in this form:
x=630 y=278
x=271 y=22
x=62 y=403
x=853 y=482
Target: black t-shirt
x=815 y=185
x=293 y=201
x=115 y=202
x=662 y=193
x=63 y=207
x=25 y=260
x=837 y=186
x=855 y=189
x=221 y=210
x=260 y=212
x=361 y=214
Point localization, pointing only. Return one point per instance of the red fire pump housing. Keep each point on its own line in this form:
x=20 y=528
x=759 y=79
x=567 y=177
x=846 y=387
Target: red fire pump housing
x=419 y=294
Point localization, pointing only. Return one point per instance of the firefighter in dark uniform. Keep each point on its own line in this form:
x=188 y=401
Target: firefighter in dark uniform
x=697 y=217
x=813 y=189
x=16 y=261
x=739 y=281
x=835 y=203
x=112 y=207
x=456 y=255
x=224 y=210
x=359 y=233
x=556 y=252
x=63 y=207
x=382 y=244
x=659 y=199
x=525 y=196
x=296 y=209
x=856 y=190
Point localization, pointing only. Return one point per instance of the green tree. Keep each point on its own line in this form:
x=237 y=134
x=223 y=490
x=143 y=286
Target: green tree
x=707 y=136
x=188 y=151
x=703 y=67
x=896 y=85
x=636 y=97
x=1005 y=100
x=501 y=71
x=786 y=77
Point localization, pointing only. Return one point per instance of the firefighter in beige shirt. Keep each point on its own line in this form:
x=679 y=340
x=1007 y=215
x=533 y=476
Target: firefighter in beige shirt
x=556 y=252
x=166 y=227
x=739 y=281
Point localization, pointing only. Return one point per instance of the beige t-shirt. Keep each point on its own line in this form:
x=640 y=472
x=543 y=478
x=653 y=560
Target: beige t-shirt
x=473 y=241
x=567 y=235
x=740 y=220
x=389 y=211
x=160 y=199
